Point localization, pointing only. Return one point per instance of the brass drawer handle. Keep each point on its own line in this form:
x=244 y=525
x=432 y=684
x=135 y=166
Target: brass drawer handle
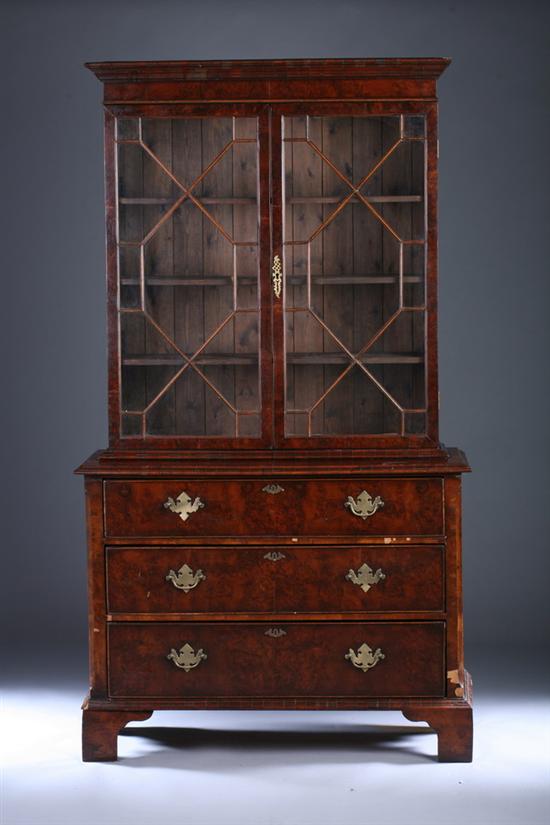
x=186 y=658
x=277 y=275
x=364 y=577
x=363 y=506
x=185 y=579
x=183 y=505
x=364 y=659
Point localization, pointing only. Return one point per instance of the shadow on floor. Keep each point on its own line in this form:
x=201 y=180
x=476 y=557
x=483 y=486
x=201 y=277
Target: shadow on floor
x=207 y=749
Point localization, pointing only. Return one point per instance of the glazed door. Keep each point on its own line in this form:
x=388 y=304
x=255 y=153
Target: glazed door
x=350 y=228
x=270 y=277
x=189 y=315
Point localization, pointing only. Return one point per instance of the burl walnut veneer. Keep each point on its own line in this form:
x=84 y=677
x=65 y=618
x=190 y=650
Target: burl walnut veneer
x=275 y=523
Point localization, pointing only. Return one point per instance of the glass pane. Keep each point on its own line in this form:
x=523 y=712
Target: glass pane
x=127 y=129
x=340 y=400
x=414 y=126
x=354 y=267
x=188 y=273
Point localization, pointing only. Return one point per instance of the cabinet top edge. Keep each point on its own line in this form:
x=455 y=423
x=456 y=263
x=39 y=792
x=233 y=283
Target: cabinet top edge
x=192 y=70
x=452 y=461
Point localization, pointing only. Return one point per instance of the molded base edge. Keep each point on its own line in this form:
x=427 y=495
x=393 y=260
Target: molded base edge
x=451 y=719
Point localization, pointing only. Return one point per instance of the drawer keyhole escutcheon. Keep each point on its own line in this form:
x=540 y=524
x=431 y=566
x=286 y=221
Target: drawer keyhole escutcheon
x=186 y=658
x=274 y=555
x=275 y=632
x=364 y=505
x=273 y=489
x=364 y=659
x=183 y=505
x=277 y=276
x=365 y=578
x=185 y=579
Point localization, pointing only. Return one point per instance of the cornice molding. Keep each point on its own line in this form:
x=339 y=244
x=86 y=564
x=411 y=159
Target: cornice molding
x=420 y=68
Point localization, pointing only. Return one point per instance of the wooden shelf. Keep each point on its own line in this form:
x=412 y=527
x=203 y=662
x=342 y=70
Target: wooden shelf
x=209 y=280
x=168 y=360
x=341 y=280
x=292 y=280
x=170 y=201
x=293 y=358
x=312 y=358
x=228 y=201
x=369 y=198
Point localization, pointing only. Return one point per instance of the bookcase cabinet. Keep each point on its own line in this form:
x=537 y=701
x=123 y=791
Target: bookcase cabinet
x=275 y=523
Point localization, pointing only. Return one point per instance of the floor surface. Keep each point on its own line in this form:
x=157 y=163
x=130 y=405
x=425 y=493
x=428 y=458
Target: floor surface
x=277 y=768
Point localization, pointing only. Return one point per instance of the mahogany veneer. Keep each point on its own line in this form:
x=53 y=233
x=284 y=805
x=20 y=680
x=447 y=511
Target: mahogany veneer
x=275 y=523
x=299 y=660
x=240 y=507
x=278 y=579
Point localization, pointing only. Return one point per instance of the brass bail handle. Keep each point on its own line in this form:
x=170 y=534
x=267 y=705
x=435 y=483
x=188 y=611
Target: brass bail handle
x=277 y=276
x=183 y=506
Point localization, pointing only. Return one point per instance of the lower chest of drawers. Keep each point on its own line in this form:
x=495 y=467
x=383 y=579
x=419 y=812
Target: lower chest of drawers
x=309 y=593
x=210 y=604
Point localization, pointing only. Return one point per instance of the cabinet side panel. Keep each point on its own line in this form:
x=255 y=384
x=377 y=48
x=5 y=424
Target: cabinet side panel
x=455 y=635
x=96 y=588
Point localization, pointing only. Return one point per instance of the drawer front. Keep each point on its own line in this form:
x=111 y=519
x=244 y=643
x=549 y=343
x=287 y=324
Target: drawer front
x=176 y=659
x=180 y=507
x=275 y=579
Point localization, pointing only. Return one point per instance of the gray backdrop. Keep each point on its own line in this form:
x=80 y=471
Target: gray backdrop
x=494 y=284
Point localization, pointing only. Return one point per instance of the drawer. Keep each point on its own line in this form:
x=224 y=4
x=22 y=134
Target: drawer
x=176 y=659
x=235 y=507
x=275 y=579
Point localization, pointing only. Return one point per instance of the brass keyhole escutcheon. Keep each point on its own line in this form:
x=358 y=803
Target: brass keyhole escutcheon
x=273 y=489
x=274 y=555
x=275 y=632
x=277 y=276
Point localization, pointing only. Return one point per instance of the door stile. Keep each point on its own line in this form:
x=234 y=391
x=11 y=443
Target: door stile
x=111 y=222
x=432 y=386
x=266 y=323
x=277 y=199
